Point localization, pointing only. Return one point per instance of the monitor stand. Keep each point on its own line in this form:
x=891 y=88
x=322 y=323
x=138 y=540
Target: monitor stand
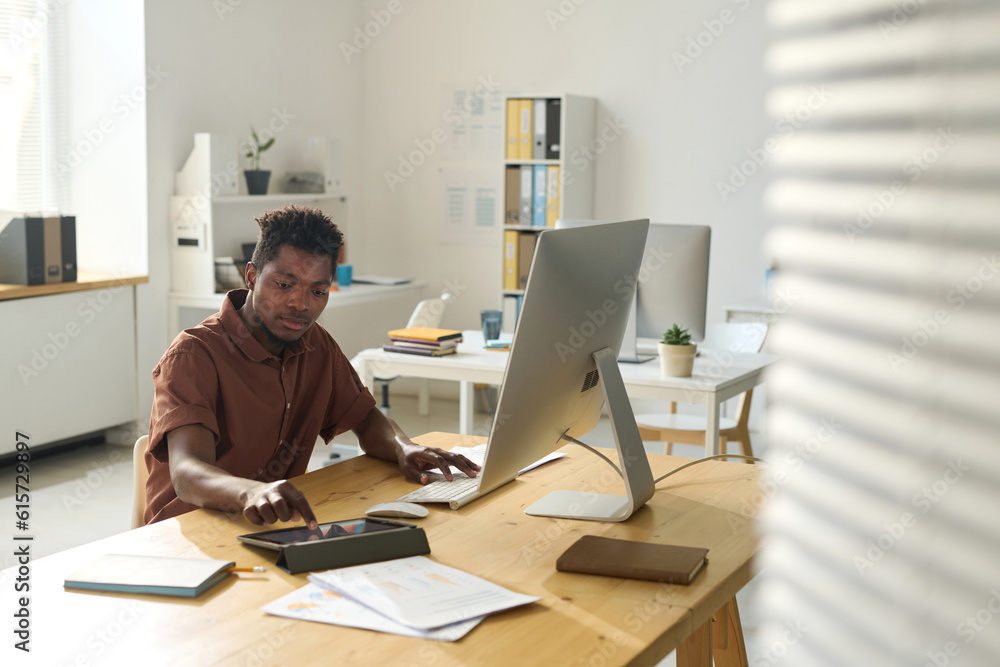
x=632 y=460
x=629 y=352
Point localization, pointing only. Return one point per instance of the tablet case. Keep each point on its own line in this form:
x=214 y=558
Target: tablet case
x=334 y=552
x=633 y=560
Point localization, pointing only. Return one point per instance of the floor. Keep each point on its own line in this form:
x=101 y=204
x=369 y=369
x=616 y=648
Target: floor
x=83 y=494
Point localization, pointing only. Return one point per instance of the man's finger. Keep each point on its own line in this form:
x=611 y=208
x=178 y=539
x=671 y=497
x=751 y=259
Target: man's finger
x=438 y=461
x=266 y=511
x=301 y=505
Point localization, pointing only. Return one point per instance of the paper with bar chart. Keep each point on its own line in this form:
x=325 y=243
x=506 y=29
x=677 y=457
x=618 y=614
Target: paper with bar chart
x=420 y=593
x=312 y=603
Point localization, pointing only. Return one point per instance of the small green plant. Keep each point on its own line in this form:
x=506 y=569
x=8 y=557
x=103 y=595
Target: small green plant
x=676 y=336
x=254 y=151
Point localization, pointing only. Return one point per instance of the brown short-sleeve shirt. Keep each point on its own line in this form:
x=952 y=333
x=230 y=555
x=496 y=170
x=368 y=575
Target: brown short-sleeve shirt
x=265 y=412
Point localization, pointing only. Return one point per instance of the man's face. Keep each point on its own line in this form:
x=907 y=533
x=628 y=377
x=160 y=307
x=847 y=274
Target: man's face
x=289 y=293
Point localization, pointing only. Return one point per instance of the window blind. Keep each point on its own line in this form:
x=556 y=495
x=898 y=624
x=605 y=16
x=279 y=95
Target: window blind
x=882 y=530
x=33 y=109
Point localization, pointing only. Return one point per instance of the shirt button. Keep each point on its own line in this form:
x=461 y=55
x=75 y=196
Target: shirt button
x=288 y=406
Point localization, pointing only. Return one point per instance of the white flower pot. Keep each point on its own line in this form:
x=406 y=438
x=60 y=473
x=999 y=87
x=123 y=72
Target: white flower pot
x=676 y=360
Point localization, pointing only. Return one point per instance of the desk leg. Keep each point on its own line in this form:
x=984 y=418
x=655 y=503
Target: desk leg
x=696 y=650
x=466 y=407
x=730 y=649
x=712 y=427
x=424 y=397
x=719 y=639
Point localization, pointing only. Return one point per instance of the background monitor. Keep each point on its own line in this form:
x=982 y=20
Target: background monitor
x=563 y=365
x=673 y=286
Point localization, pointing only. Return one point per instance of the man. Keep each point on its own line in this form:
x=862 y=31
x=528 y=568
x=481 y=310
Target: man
x=240 y=399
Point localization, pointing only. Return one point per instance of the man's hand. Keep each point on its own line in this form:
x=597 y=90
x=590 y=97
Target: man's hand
x=198 y=481
x=277 y=501
x=380 y=437
x=415 y=460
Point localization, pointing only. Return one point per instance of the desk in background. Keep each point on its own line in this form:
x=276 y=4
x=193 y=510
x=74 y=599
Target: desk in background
x=354 y=315
x=581 y=619
x=714 y=380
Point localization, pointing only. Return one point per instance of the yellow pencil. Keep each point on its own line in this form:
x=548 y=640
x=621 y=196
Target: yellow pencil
x=255 y=568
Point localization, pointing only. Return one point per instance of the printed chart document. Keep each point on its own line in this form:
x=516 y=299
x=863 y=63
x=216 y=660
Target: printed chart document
x=312 y=603
x=419 y=592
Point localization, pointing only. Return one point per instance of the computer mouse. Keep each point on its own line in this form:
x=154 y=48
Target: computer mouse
x=400 y=510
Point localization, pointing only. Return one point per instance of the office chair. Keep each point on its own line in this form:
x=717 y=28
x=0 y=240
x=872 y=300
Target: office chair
x=139 y=475
x=669 y=428
x=428 y=313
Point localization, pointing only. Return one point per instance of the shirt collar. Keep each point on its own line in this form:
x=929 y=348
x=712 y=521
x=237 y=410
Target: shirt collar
x=241 y=336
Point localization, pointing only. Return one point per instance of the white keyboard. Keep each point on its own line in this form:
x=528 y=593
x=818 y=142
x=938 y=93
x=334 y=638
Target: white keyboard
x=442 y=491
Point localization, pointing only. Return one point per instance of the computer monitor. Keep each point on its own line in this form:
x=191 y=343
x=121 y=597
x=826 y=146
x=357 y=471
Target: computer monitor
x=673 y=286
x=563 y=366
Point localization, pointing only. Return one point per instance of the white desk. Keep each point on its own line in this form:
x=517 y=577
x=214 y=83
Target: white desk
x=344 y=296
x=716 y=378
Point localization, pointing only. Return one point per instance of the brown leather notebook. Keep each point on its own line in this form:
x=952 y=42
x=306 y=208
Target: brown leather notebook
x=633 y=560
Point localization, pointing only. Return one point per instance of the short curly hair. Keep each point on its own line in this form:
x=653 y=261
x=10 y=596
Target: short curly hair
x=301 y=227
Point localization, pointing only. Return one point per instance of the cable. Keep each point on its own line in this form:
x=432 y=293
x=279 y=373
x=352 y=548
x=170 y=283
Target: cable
x=707 y=458
x=677 y=469
x=586 y=446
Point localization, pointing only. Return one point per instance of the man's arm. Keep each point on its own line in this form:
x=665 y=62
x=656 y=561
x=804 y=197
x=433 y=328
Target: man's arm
x=198 y=481
x=380 y=437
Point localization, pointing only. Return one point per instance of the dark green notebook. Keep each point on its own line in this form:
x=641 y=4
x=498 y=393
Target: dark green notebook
x=186 y=577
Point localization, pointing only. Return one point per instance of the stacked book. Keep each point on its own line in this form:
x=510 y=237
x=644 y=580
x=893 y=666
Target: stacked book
x=424 y=341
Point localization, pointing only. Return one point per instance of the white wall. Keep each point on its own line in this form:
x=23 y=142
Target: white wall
x=228 y=70
x=106 y=159
x=685 y=130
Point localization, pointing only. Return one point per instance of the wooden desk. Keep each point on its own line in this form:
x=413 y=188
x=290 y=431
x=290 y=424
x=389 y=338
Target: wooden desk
x=85 y=281
x=581 y=619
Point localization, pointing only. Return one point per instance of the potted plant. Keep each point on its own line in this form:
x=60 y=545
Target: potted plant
x=676 y=353
x=257 y=179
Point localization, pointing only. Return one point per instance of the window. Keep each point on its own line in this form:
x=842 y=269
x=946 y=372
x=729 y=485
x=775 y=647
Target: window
x=33 y=116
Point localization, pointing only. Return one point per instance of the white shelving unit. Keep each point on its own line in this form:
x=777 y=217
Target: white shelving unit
x=209 y=219
x=576 y=182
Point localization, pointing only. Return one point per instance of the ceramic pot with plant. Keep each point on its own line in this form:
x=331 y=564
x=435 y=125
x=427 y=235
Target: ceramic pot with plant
x=676 y=353
x=257 y=179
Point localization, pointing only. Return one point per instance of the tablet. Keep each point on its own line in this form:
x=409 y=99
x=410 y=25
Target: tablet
x=281 y=537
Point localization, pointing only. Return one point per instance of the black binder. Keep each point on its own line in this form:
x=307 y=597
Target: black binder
x=36 y=250
x=552 y=112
